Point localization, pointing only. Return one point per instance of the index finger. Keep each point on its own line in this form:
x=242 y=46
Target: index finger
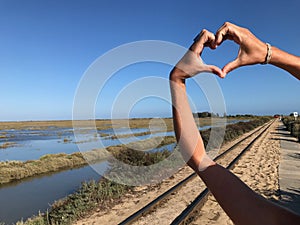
x=221 y=33
x=205 y=38
x=227 y=31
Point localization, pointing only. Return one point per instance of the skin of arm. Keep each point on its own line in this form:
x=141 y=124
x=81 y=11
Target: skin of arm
x=254 y=51
x=286 y=61
x=241 y=204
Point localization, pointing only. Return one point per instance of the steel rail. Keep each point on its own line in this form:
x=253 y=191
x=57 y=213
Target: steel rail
x=201 y=197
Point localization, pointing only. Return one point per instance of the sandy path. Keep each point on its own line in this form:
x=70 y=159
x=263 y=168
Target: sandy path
x=258 y=168
x=168 y=211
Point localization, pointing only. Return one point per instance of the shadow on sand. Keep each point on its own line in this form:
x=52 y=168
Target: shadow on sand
x=285 y=139
x=283 y=134
x=295 y=155
x=291 y=199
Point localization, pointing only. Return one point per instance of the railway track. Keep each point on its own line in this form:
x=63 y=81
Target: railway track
x=228 y=159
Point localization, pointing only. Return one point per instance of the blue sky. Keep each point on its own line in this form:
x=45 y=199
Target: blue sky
x=46 y=46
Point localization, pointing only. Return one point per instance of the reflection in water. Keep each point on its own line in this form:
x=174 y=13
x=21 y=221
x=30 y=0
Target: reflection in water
x=24 y=199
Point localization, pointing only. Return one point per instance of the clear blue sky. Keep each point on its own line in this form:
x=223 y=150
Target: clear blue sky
x=46 y=46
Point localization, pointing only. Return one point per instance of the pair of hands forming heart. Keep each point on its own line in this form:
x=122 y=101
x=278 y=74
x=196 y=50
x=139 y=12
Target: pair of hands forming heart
x=252 y=51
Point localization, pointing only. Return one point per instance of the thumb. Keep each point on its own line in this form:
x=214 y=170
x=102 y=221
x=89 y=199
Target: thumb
x=214 y=69
x=231 y=66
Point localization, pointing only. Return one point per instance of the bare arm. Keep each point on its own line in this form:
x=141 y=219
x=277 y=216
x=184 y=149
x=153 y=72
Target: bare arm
x=242 y=204
x=254 y=51
x=286 y=61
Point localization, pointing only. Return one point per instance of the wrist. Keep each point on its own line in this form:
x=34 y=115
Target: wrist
x=177 y=76
x=275 y=56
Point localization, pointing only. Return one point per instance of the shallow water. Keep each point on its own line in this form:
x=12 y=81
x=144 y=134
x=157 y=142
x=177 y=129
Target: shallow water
x=24 y=199
x=32 y=144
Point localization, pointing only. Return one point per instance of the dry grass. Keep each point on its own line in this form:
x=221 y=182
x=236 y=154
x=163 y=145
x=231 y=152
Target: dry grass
x=100 y=124
x=7 y=145
x=15 y=170
x=3 y=135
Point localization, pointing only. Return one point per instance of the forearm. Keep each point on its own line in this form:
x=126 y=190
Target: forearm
x=186 y=131
x=243 y=205
x=286 y=61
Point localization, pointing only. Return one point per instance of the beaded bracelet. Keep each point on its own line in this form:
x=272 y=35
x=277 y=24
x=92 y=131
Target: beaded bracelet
x=269 y=54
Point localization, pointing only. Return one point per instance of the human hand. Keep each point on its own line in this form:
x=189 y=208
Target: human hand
x=252 y=50
x=191 y=63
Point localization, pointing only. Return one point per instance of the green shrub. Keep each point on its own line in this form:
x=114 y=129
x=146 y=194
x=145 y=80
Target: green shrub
x=293 y=126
